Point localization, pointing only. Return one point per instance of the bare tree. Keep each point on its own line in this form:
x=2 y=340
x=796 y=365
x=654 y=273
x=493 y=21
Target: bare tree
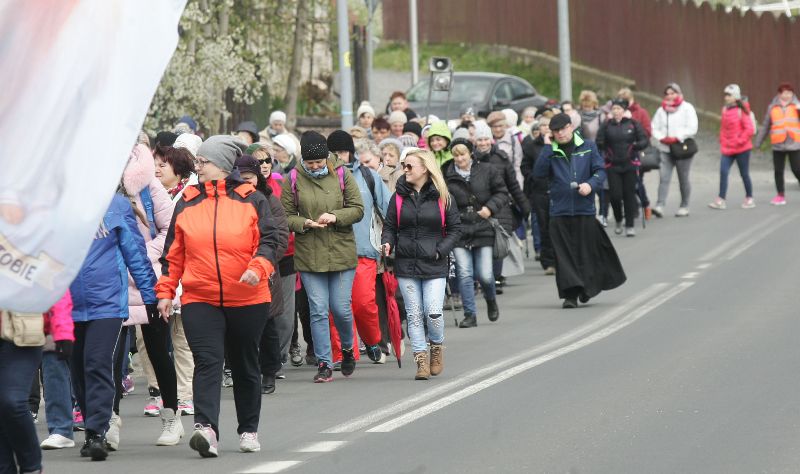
x=293 y=84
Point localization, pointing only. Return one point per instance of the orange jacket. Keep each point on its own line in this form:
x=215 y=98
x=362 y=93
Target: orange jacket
x=219 y=230
x=784 y=122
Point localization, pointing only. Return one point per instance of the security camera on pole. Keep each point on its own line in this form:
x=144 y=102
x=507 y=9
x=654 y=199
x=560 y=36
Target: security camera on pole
x=441 y=69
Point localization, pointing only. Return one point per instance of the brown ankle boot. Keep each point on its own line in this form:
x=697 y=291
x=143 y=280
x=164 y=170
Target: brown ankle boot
x=423 y=370
x=437 y=359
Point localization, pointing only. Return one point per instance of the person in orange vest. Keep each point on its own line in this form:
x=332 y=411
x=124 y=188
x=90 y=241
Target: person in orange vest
x=782 y=122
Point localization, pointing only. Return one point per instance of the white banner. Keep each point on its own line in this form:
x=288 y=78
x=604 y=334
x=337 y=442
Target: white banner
x=76 y=80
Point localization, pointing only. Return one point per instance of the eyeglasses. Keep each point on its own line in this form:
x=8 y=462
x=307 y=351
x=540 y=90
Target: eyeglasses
x=200 y=163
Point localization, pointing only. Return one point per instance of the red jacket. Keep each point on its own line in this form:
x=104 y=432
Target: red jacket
x=641 y=116
x=736 y=130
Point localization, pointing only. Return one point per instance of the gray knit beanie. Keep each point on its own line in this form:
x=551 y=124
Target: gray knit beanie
x=222 y=150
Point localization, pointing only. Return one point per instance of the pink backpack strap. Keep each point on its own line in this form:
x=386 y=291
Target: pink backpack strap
x=340 y=172
x=293 y=180
x=441 y=212
x=398 y=204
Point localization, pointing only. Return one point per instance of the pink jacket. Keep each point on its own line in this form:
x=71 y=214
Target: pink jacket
x=736 y=130
x=58 y=321
x=138 y=175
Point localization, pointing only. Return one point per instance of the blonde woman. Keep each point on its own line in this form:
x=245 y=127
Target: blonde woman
x=422 y=227
x=591 y=115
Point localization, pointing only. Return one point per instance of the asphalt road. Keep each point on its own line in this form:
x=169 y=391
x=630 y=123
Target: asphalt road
x=689 y=367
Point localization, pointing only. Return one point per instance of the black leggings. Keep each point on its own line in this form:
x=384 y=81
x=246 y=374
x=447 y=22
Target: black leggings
x=622 y=187
x=779 y=160
x=303 y=314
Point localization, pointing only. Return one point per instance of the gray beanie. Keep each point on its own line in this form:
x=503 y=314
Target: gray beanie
x=222 y=150
x=674 y=86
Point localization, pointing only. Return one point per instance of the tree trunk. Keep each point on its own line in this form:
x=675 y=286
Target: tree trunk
x=293 y=83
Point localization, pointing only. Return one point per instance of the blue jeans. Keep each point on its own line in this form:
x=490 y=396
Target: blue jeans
x=17 y=432
x=536 y=233
x=423 y=298
x=743 y=162
x=472 y=263
x=57 y=395
x=329 y=291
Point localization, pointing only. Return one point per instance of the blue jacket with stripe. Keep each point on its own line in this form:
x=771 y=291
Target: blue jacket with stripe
x=100 y=291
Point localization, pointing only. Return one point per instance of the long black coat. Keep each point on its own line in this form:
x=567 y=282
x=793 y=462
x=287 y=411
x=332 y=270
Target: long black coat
x=484 y=188
x=508 y=219
x=420 y=244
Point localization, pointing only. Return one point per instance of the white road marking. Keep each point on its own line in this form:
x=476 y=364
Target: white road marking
x=322 y=447
x=703 y=266
x=690 y=275
x=271 y=467
x=630 y=318
x=400 y=406
x=738 y=250
x=723 y=247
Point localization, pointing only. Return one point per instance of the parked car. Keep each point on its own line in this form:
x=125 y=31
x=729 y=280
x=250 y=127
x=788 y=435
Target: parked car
x=485 y=91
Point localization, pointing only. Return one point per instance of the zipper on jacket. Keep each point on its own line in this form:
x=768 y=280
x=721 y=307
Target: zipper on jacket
x=216 y=251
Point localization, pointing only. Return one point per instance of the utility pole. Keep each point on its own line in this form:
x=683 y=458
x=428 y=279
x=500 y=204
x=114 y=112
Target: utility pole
x=564 y=60
x=412 y=20
x=370 y=19
x=344 y=64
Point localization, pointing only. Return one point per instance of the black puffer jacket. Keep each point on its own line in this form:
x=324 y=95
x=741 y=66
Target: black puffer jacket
x=509 y=219
x=484 y=188
x=531 y=148
x=421 y=247
x=620 y=142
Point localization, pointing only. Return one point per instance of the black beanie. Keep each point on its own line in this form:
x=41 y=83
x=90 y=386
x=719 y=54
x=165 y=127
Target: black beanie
x=340 y=140
x=313 y=146
x=462 y=141
x=413 y=127
x=166 y=138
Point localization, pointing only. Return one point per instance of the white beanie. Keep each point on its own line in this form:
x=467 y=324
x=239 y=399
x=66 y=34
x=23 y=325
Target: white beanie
x=189 y=141
x=365 y=107
x=511 y=117
x=397 y=116
x=482 y=130
x=734 y=90
x=406 y=151
x=277 y=116
x=285 y=141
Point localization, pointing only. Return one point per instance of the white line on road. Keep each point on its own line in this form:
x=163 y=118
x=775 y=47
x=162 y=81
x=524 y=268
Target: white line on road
x=632 y=317
x=690 y=275
x=271 y=467
x=703 y=266
x=322 y=447
x=738 y=250
x=723 y=247
x=400 y=406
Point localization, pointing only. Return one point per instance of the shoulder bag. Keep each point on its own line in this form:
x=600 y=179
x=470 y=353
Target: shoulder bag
x=22 y=329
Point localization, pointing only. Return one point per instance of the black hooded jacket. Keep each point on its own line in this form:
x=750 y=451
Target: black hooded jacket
x=502 y=164
x=620 y=142
x=484 y=188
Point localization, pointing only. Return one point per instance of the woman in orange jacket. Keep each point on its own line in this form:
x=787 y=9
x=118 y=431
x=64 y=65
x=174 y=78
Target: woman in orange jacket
x=221 y=246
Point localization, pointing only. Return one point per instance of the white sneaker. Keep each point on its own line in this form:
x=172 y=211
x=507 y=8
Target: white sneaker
x=204 y=441
x=682 y=212
x=56 y=441
x=171 y=428
x=248 y=443
x=658 y=211
x=112 y=435
x=718 y=203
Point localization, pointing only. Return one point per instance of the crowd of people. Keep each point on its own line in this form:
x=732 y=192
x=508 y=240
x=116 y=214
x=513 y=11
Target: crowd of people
x=217 y=254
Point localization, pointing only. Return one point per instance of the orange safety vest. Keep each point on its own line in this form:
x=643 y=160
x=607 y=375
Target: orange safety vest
x=784 y=121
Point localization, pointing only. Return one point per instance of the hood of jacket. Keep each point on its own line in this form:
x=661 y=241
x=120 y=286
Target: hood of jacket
x=439 y=129
x=139 y=171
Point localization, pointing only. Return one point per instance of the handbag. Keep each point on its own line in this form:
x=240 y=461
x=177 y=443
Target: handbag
x=22 y=329
x=683 y=150
x=376 y=229
x=500 y=249
x=514 y=263
x=649 y=159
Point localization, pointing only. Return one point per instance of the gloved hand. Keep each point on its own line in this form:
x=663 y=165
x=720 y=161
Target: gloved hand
x=63 y=350
x=669 y=140
x=152 y=313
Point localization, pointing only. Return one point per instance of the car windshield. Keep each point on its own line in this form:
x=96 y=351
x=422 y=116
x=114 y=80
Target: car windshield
x=465 y=90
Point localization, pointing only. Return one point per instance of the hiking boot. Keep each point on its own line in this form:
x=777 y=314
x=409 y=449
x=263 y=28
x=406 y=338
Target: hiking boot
x=423 y=369
x=658 y=211
x=630 y=232
x=618 y=228
x=718 y=203
x=748 y=203
x=268 y=384
x=204 y=441
x=550 y=271
x=457 y=304
x=57 y=441
x=248 y=443
x=112 y=435
x=682 y=212
x=348 y=362
x=492 y=310
x=295 y=357
x=324 y=373
x=570 y=303
x=778 y=200
x=96 y=447
x=185 y=407
x=437 y=359
x=469 y=321
x=311 y=359
x=171 y=428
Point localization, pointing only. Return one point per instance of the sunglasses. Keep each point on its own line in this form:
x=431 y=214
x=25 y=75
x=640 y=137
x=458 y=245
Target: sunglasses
x=408 y=167
x=267 y=161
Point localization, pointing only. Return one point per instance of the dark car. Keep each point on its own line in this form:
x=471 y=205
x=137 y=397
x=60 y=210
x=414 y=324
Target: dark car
x=485 y=91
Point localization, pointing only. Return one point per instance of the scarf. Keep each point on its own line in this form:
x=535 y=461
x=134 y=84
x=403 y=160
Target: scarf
x=464 y=174
x=671 y=107
x=173 y=191
x=320 y=173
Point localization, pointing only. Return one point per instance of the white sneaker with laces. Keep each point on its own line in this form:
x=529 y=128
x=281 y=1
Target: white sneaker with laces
x=204 y=441
x=748 y=203
x=718 y=203
x=171 y=428
x=112 y=435
x=248 y=443
x=682 y=212
x=57 y=441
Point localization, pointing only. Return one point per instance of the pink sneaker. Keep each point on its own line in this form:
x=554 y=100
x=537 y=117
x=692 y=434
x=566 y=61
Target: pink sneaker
x=204 y=441
x=778 y=201
x=153 y=406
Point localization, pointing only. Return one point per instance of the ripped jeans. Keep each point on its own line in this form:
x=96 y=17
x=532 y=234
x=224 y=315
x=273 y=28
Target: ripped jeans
x=424 y=300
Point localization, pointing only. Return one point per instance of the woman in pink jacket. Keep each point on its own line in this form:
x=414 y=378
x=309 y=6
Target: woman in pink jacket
x=19 y=444
x=735 y=135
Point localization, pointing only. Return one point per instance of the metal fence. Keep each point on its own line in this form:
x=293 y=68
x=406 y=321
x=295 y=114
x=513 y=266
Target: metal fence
x=650 y=41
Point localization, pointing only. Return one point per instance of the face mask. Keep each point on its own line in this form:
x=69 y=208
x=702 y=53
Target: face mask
x=322 y=172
